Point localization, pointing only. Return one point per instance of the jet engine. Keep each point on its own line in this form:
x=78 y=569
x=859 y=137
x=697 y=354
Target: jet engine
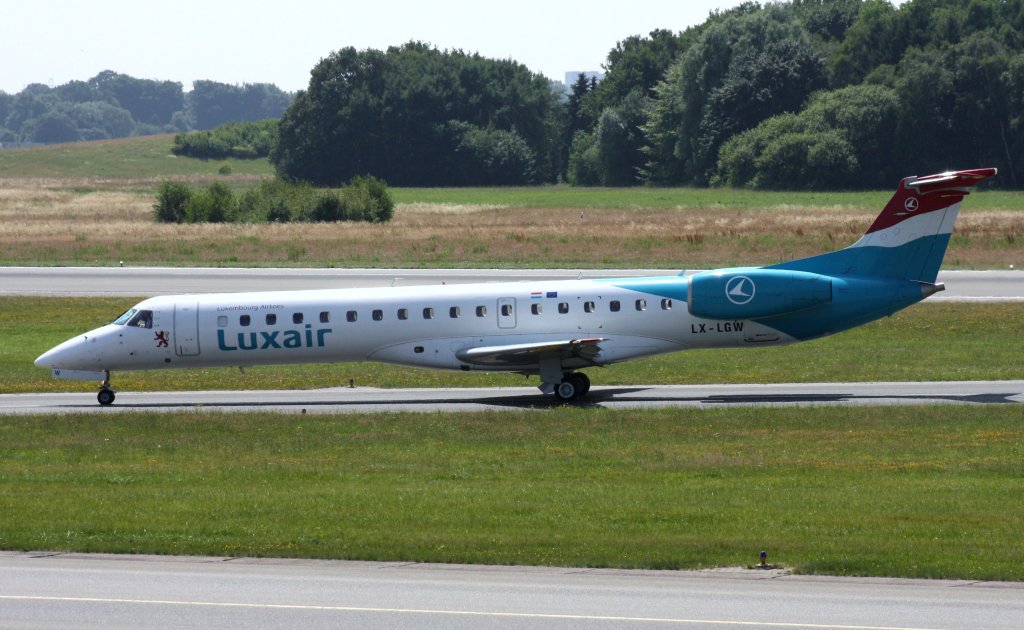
x=755 y=293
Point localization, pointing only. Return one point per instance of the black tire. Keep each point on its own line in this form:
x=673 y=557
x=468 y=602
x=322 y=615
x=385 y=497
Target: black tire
x=584 y=383
x=566 y=391
x=573 y=387
x=105 y=397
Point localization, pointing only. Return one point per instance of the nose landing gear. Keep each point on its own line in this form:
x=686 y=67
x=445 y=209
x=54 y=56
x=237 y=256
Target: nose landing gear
x=106 y=395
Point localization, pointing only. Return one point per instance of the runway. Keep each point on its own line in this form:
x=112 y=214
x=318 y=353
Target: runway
x=39 y=590
x=372 y=400
x=43 y=590
x=149 y=281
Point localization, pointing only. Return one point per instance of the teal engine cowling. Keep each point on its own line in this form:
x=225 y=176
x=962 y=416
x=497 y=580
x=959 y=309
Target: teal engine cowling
x=755 y=293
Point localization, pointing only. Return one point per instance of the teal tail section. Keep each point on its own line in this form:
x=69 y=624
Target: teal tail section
x=894 y=265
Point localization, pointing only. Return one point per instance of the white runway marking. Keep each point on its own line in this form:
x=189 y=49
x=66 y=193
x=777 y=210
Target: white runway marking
x=459 y=613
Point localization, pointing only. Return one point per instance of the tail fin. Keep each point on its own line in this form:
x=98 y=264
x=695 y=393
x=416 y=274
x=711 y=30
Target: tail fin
x=908 y=239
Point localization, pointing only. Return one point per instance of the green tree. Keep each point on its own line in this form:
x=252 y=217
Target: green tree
x=211 y=104
x=5 y=106
x=52 y=127
x=576 y=118
x=584 y=160
x=98 y=120
x=847 y=138
x=637 y=63
x=620 y=141
x=956 y=108
x=828 y=19
x=149 y=102
x=740 y=71
x=1012 y=130
x=875 y=38
x=246 y=140
x=215 y=204
x=370 y=198
x=389 y=113
x=489 y=157
x=816 y=161
x=172 y=198
x=24 y=107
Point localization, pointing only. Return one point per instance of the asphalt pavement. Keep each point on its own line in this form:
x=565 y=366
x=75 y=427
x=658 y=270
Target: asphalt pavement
x=44 y=590
x=149 y=281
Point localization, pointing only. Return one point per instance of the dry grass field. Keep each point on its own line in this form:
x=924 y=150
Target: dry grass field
x=105 y=221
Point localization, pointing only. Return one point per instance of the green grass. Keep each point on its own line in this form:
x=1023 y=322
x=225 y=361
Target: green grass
x=647 y=197
x=933 y=492
x=941 y=341
x=137 y=157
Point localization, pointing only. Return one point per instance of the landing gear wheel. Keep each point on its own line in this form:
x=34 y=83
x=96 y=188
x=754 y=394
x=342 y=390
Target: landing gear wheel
x=105 y=397
x=572 y=388
x=584 y=382
x=566 y=391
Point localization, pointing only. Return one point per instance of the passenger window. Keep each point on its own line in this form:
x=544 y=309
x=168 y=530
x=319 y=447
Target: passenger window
x=506 y=310
x=428 y=313
x=325 y=317
x=297 y=318
x=481 y=311
x=244 y=320
x=563 y=307
x=666 y=304
x=536 y=309
x=222 y=321
x=455 y=312
x=588 y=307
x=403 y=314
x=378 y=315
x=142 y=319
x=641 y=305
x=271 y=319
x=614 y=306
x=351 y=316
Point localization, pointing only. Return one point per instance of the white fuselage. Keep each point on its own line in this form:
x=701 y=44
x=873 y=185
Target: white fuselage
x=417 y=326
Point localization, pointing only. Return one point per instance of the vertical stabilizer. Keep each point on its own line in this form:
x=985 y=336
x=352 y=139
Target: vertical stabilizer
x=909 y=238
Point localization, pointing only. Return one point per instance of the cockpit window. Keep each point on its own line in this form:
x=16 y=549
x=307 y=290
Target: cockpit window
x=142 y=319
x=122 y=320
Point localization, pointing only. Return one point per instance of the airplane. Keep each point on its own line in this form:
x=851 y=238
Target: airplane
x=551 y=329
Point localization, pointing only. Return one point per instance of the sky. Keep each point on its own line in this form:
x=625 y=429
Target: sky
x=56 y=41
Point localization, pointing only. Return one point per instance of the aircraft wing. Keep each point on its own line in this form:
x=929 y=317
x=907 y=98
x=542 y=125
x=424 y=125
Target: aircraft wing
x=583 y=351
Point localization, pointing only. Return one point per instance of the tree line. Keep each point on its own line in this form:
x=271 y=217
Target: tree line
x=112 y=105
x=800 y=94
x=812 y=94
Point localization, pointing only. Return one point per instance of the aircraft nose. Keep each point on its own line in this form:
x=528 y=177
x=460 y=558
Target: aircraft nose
x=44 y=359
x=76 y=353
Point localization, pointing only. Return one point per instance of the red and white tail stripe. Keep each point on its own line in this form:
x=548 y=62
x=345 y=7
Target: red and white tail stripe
x=921 y=207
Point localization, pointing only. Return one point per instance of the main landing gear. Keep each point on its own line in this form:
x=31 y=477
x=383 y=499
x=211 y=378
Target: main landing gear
x=106 y=395
x=573 y=387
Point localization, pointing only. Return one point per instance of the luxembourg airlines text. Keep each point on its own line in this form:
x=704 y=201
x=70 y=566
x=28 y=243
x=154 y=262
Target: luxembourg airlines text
x=275 y=339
